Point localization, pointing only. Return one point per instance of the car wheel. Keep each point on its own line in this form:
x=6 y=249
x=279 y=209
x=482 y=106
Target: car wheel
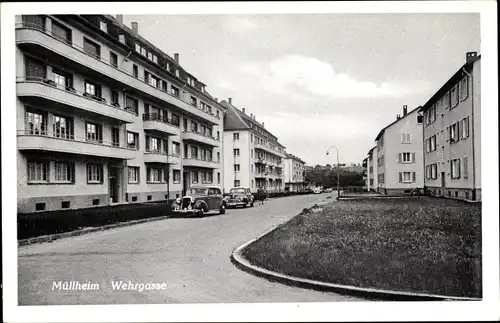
x=222 y=209
x=251 y=204
x=245 y=204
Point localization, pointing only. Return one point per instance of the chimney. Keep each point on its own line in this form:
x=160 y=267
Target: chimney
x=176 y=58
x=405 y=110
x=398 y=117
x=262 y=124
x=243 y=109
x=251 y=116
x=216 y=100
x=120 y=19
x=135 y=28
x=230 y=101
x=470 y=56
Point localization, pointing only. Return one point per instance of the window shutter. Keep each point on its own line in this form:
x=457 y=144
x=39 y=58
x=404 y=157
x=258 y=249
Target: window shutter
x=400 y=177
x=414 y=177
x=147 y=142
x=165 y=145
x=467 y=126
x=458 y=168
x=400 y=158
x=413 y=157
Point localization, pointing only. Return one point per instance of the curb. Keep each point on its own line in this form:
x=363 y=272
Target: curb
x=52 y=237
x=372 y=293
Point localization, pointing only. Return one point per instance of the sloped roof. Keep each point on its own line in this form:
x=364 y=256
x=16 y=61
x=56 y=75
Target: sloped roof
x=396 y=121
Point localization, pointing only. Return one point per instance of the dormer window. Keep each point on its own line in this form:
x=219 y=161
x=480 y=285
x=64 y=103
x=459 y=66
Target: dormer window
x=177 y=73
x=150 y=56
x=104 y=26
x=143 y=51
x=155 y=59
x=138 y=48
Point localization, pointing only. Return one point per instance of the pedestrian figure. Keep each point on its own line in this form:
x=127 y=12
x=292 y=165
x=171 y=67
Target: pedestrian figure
x=261 y=195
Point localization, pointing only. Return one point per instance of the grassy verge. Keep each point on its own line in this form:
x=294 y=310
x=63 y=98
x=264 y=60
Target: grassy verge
x=423 y=245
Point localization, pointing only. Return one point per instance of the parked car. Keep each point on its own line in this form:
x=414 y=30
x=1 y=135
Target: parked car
x=317 y=190
x=239 y=196
x=199 y=200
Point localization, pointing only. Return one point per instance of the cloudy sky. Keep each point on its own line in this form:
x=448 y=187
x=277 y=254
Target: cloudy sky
x=318 y=80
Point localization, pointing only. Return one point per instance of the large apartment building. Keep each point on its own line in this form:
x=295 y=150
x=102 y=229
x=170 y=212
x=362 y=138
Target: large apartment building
x=371 y=180
x=452 y=134
x=399 y=156
x=104 y=116
x=253 y=157
x=294 y=173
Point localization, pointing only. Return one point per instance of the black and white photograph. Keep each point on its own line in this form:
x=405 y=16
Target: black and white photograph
x=254 y=161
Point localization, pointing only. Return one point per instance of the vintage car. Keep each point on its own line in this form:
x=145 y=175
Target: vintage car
x=199 y=200
x=239 y=196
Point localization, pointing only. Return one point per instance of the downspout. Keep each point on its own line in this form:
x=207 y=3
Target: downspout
x=472 y=136
x=424 y=150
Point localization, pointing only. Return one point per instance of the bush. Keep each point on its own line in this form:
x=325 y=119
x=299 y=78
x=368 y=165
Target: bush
x=52 y=222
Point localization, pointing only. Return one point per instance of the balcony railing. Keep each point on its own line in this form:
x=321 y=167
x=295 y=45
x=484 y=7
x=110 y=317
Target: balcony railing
x=69 y=136
x=206 y=135
x=159 y=118
x=71 y=90
x=25 y=25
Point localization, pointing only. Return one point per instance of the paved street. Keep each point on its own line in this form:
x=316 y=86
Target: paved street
x=190 y=255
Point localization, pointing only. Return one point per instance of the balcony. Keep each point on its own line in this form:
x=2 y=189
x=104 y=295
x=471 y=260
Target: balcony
x=46 y=90
x=161 y=157
x=48 y=141
x=269 y=150
x=198 y=137
x=198 y=162
x=41 y=41
x=153 y=122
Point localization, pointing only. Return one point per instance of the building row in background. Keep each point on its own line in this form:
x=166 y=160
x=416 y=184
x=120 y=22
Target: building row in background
x=105 y=117
x=436 y=146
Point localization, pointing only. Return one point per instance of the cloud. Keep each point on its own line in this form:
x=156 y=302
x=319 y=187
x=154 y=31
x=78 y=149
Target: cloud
x=296 y=74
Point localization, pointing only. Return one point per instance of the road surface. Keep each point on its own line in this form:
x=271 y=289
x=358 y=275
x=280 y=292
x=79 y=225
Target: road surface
x=191 y=257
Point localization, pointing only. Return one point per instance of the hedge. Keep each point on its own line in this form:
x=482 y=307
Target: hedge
x=60 y=221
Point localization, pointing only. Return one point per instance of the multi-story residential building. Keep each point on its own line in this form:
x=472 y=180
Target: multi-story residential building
x=371 y=180
x=253 y=157
x=294 y=173
x=104 y=116
x=399 y=157
x=452 y=134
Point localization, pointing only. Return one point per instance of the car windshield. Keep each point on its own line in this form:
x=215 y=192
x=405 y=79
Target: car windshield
x=237 y=191
x=197 y=191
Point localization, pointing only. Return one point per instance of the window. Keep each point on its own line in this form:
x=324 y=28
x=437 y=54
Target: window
x=406 y=138
x=164 y=85
x=177 y=175
x=210 y=177
x=35 y=70
x=93 y=132
x=218 y=178
x=194 y=126
x=194 y=152
x=175 y=91
x=152 y=144
x=454 y=96
x=63 y=127
x=37 y=123
x=94 y=173
x=155 y=59
x=218 y=135
x=113 y=59
x=466 y=167
x=236 y=136
x=195 y=177
x=431 y=115
x=155 y=175
x=236 y=183
x=177 y=73
x=176 y=148
x=419 y=119
x=236 y=152
x=407 y=157
x=251 y=153
x=455 y=168
x=194 y=102
x=150 y=56
x=135 y=71
x=464 y=88
x=176 y=120
x=133 y=140
x=407 y=177
x=62 y=81
x=203 y=177
x=64 y=172
x=143 y=51
x=236 y=167
x=96 y=202
x=115 y=98
x=251 y=168
x=431 y=171
x=115 y=137
x=218 y=157
x=91 y=48
x=133 y=175
x=61 y=32
x=453 y=132
x=103 y=26
x=34 y=21
x=132 y=104
x=138 y=48
x=92 y=89
x=38 y=171
x=464 y=127
x=446 y=100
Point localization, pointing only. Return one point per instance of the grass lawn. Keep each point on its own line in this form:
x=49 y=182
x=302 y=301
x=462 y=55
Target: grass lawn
x=424 y=245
